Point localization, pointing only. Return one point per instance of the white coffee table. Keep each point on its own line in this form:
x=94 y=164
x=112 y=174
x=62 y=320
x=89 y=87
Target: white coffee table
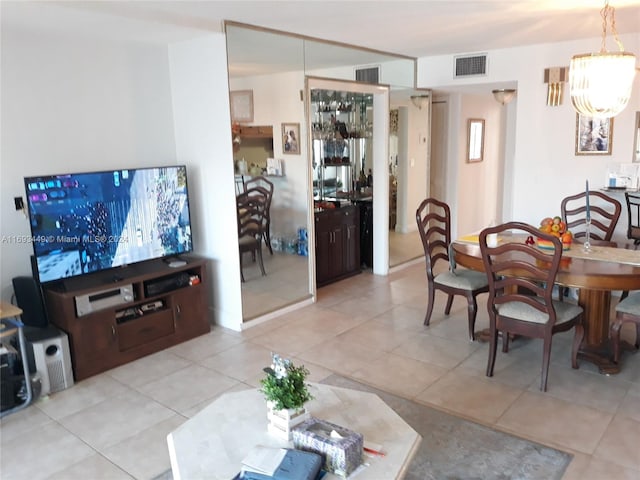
x=212 y=444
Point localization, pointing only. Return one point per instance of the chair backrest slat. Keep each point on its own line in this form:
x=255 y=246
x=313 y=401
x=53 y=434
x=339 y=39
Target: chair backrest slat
x=251 y=207
x=605 y=212
x=433 y=218
x=519 y=272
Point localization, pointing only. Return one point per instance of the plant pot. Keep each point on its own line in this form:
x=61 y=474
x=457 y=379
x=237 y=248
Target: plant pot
x=282 y=421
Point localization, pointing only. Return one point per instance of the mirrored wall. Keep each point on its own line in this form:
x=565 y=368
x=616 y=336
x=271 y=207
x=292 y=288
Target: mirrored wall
x=273 y=66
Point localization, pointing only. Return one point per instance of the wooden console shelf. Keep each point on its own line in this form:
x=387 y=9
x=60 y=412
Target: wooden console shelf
x=161 y=313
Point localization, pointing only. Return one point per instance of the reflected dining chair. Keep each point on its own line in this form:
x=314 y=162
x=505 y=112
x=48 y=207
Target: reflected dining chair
x=434 y=225
x=519 y=303
x=251 y=206
x=262 y=182
x=605 y=212
x=627 y=310
x=633 y=215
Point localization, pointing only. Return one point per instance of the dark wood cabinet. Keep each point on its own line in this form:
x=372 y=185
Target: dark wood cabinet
x=337 y=244
x=169 y=306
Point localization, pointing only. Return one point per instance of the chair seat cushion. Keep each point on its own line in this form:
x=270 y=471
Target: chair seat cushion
x=565 y=312
x=631 y=304
x=247 y=241
x=465 y=279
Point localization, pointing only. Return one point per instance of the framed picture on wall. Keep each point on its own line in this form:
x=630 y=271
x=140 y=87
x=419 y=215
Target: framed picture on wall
x=475 y=140
x=594 y=136
x=290 y=138
x=241 y=106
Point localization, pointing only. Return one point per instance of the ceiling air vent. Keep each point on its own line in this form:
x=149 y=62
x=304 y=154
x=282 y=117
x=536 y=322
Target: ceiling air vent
x=469 y=65
x=368 y=75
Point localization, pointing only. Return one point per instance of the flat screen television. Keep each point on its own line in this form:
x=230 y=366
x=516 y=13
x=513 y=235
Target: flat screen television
x=82 y=223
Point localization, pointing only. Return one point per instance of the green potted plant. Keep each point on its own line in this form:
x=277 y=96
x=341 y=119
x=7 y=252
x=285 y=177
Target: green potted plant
x=286 y=392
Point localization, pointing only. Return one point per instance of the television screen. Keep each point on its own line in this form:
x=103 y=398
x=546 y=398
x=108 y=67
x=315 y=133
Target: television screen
x=89 y=222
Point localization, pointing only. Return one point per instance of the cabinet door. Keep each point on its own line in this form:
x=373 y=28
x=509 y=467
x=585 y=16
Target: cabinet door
x=329 y=246
x=94 y=343
x=351 y=236
x=323 y=248
x=189 y=311
x=351 y=250
x=336 y=260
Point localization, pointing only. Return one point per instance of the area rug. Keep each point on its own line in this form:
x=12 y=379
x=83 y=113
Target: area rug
x=456 y=449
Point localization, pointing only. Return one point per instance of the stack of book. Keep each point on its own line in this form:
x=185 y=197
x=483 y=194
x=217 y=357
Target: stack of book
x=267 y=463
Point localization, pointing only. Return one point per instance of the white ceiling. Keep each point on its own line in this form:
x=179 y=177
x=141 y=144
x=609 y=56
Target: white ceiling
x=413 y=28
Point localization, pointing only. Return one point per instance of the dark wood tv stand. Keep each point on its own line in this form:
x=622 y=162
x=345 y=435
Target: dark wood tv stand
x=169 y=306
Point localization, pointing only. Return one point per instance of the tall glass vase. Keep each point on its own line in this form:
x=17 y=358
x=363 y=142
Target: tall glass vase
x=586 y=247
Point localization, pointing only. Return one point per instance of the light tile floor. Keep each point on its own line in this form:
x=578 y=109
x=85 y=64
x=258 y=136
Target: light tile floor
x=286 y=282
x=404 y=247
x=114 y=425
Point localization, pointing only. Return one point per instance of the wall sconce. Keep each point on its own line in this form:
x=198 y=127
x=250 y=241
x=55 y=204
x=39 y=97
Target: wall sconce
x=504 y=95
x=555 y=78
x=420 y=101
x=600 y=83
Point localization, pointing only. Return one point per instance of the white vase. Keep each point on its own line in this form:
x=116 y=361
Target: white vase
x=282 y=421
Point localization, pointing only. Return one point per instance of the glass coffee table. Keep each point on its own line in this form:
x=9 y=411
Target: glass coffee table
x=213 y=443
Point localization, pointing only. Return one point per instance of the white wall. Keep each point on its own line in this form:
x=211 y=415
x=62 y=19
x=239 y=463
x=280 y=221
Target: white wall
x=540 y=155
x=72 y=105
x=478 y=186
x=203 y=140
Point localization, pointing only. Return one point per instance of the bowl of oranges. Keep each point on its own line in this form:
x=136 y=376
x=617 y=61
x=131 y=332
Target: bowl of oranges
x=556 y=227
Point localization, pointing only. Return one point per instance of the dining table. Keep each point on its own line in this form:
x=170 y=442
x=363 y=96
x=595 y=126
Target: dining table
x=595 y=272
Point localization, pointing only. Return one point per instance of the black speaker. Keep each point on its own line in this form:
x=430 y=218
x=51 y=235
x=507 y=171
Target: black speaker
x=29 y=299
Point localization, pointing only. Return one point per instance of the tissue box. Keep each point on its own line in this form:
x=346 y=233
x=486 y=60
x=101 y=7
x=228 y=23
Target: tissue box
x=342 y=454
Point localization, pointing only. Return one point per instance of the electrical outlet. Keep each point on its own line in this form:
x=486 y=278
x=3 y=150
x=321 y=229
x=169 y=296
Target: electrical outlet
x=19 y=203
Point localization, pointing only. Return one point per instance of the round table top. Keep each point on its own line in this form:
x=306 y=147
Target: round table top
x=604 y=273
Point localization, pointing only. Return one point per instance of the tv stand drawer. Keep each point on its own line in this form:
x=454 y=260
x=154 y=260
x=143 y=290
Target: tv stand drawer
x=145 y=329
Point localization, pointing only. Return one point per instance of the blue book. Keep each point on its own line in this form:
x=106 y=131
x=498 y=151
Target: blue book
x=296 y=465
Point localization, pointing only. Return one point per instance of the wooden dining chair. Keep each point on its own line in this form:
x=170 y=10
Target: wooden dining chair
x=434 y=225
x=251 y=206
x=261 y=181
x=633 y=215
x=627 y=310
x=605 y=212
x=519 y=302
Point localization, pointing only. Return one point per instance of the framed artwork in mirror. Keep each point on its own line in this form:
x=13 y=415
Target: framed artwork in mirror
x=594 y=136
x=475 y=140
x=290 y=138
x=241 y=106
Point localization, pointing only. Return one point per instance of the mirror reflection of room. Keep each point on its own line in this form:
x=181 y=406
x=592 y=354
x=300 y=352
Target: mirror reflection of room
x=258 y=152
x=276 y=83
x=252 y=152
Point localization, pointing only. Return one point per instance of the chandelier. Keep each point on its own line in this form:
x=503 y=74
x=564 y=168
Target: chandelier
x=600 y=83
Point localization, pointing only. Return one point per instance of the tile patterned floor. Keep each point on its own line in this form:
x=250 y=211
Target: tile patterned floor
x=114 y=425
